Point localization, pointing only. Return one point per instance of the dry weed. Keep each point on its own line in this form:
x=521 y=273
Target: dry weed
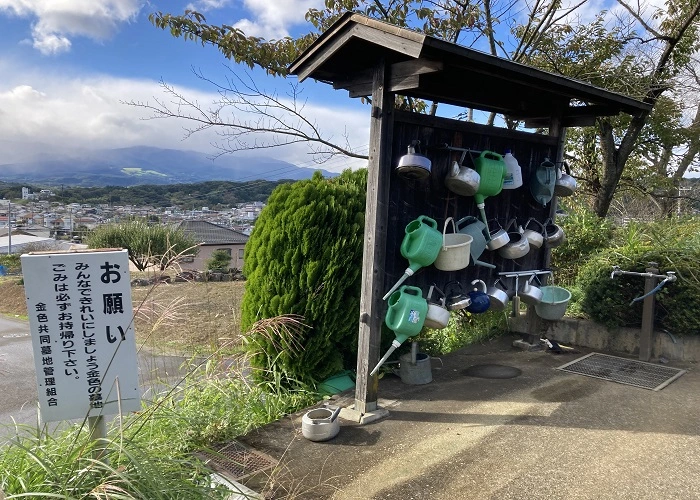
x=12 y=299
x=188 y=316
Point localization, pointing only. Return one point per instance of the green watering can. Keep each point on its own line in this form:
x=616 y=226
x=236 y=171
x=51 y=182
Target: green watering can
x=405 y=317
x=492 y=171
x=420 y=246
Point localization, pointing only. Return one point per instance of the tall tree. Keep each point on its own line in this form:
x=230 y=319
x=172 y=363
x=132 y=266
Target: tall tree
x=646 y=55
x=641 y=55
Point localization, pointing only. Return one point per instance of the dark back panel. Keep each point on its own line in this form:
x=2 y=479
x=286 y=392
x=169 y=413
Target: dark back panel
x=412 y=198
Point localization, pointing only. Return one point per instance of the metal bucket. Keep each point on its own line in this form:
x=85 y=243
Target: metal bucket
x=418 y=373
x=320 y=424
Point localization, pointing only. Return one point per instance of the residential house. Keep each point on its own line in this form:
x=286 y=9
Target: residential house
x=213 y=237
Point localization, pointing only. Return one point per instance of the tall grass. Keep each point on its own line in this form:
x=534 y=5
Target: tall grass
x=463 y=330
x=150 y=455
x=35 y=464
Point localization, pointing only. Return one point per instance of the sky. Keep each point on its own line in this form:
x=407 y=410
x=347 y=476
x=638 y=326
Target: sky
x=67 y=67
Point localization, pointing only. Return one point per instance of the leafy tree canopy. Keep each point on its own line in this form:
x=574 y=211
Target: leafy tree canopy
x=148 y=244
x=644 y=51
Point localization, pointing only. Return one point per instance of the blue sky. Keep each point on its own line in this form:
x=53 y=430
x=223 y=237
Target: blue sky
x=67 y=65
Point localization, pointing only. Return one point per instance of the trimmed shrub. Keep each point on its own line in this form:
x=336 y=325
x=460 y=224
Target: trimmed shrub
x=219 y=260
x=304 y=258
x=675 y=246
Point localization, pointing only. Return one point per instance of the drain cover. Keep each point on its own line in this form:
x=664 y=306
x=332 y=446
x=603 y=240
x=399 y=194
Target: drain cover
x=623 y=371
x=238 y=461
x=492 y=371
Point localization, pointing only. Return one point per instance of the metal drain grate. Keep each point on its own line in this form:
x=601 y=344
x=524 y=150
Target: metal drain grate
x=238 y=461
x=623 y=371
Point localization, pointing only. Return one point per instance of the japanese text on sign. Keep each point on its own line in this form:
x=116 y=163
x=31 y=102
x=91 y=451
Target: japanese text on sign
x=82 y=334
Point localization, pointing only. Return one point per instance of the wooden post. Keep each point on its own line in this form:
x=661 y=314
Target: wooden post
x=646 y=335
x=374 y=253
x=534 y=323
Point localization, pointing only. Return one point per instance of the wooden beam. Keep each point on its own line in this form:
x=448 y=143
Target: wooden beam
x=574 y=116
x=470 y=128
x=324 y=53
x=372 y=307
x=409 y=82
x=404 y=75
x=567 y=121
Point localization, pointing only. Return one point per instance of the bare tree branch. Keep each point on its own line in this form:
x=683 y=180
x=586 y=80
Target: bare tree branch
x=246 y=118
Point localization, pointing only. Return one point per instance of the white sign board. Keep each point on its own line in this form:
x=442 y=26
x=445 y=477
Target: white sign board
x=81 y=321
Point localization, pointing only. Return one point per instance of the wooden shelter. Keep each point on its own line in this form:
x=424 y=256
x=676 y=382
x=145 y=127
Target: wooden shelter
x=369 y=58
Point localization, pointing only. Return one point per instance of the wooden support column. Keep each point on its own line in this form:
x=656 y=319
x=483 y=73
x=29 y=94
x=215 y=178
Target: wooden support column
x=646 y=335
x=376 y=220
x=534 y=323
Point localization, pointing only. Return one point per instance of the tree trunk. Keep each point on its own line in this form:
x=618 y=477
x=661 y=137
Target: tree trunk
x=614 y=157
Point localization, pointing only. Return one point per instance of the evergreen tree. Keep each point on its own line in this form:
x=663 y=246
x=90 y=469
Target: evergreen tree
x=219 y=260
x=304 y=257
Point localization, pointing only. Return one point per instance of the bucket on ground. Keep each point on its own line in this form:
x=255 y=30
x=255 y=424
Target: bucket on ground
x=418 y=373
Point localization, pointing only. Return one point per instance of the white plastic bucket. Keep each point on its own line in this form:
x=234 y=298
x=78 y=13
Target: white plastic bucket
x=555 y=299
x=455 y=251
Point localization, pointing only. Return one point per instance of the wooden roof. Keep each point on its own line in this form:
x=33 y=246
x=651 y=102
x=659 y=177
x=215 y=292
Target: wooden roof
x=429 y=68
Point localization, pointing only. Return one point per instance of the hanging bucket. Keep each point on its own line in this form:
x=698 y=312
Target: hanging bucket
x=455 y=251
x=555 y=299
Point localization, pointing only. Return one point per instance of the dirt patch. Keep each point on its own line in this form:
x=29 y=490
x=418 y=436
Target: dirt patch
x=181 y=317
x=12 y=299
x=197 y=316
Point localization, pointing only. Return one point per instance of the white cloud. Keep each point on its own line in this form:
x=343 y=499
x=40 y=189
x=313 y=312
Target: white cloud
x=55 y=21
x=272 y=20
x=64 y=113
x=207 y=5
x=49 y=44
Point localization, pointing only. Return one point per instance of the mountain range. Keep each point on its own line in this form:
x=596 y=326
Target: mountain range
x=142 y=165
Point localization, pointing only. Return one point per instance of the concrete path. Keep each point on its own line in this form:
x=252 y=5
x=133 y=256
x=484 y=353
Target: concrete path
x=545 y=434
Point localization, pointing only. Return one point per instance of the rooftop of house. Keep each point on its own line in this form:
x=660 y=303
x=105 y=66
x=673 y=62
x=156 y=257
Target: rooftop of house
x=209 y=233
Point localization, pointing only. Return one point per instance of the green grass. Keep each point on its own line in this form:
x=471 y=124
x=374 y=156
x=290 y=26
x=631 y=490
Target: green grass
x=462 y=331
x=150 y=454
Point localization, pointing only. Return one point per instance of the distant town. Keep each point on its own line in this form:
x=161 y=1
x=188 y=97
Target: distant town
x=41 y=216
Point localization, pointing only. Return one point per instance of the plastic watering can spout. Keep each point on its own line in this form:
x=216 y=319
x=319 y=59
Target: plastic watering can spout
x=393 y=347
x=407 y=273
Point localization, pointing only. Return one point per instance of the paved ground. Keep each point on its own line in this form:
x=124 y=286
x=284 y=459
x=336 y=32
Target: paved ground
x=545 y=434
x=18 y=392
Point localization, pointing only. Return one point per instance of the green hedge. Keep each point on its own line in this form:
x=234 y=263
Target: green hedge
x=675 y=246
x=586 y=234
x=11 y=263
x=304 y=258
